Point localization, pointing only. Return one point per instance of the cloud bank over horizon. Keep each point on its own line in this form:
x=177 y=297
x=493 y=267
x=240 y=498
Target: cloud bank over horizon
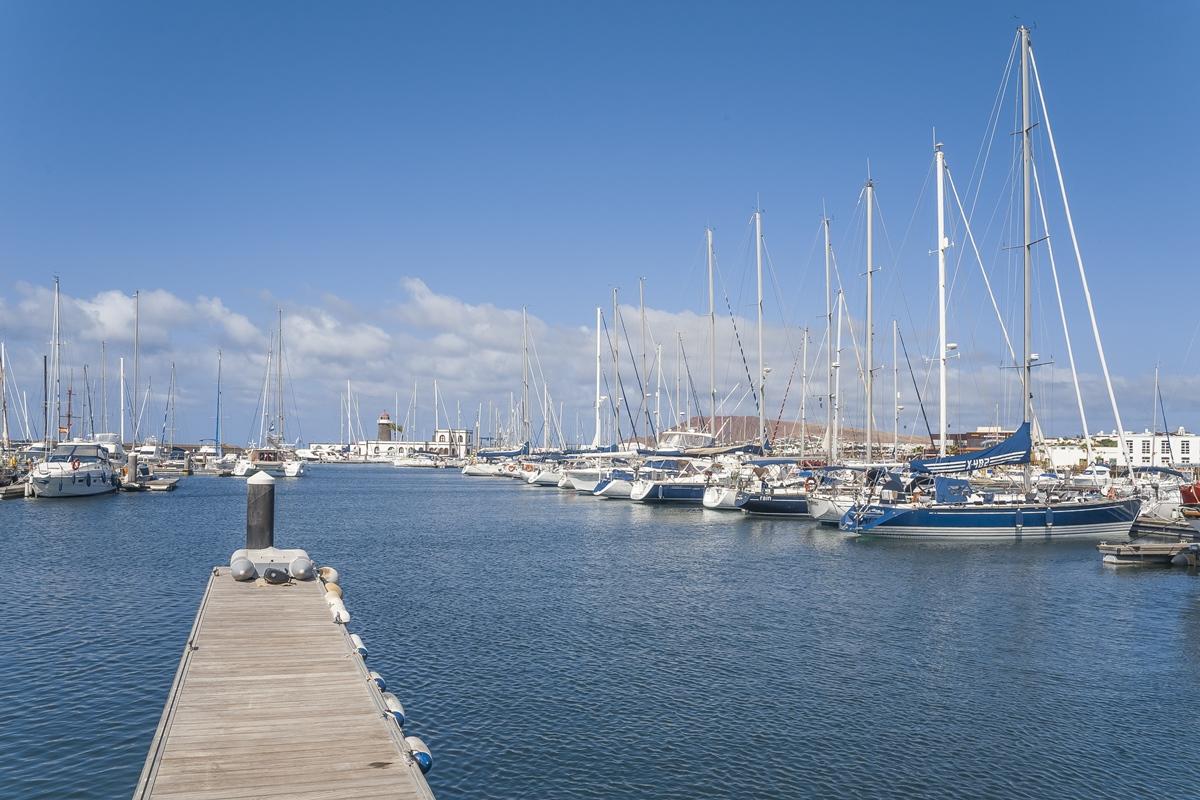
x=474 y=352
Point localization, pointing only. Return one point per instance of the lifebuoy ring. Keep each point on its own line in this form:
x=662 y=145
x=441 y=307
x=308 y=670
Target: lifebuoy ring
x=75 y=463
x=1112 y=493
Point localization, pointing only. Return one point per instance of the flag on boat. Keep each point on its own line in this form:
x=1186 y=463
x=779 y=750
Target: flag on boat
x=1016 y=449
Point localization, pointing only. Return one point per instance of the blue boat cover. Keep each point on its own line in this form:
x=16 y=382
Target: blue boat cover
x=1016 y=449
x=951 y=490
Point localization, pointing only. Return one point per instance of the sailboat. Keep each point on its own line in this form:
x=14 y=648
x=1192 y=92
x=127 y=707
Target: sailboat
x=930 y=504
x=74 y=468
x=271 y=453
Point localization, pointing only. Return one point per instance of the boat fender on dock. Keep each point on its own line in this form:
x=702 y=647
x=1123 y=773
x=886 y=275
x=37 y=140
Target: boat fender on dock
x=393 y=705
x=301 y=569
x=328 y=574
x=276 y=574
x=420 y=753
x=359 y=647
x=242 y=569
x=339 y=613
x=379 y=681
x=333 y=588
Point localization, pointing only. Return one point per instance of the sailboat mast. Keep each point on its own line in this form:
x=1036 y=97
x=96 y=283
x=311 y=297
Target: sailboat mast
x=837 y=374
x=525 y=429
x=642 y=314
x=712 y=337
x=762 y=375
x=942 y=244
x=658 y=389
x=279 y=382
x=135 y=419
x=3 y=401
x=615 y=389
x=217 y=430
x=895 y=392
x=104 y=386
x=56 y=344
x=1026 y=185
x=121 y=394
x=870 y=376
x=599 y=377
x=804 y=395
x=829 y=358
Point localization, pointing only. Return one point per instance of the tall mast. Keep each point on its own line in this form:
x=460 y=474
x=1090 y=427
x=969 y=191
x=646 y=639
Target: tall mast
x=1026 y=165
x=599 y=377
x=217 y=431
x=279 y=384
x=436 y=402
x=642 y=313
x=615 y=389
x=525 y=430
x=837 y=372
x=135 y=416
x=895 y=392
x=658 y=389
x=56 y=364
x=545 y=416
x=942 y=244
x=712 y=338
x=121 y=394
x=870 y=376
x=829 y=357
x=104 y=386
x=804 y=395
x=45 y=403
x=3 y=400
x=762 y=375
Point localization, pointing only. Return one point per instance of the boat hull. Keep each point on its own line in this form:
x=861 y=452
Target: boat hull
x=828 y=511
x=1101 y=520
x=81 y=483
x=769 y=506
x=666 y=492
x=721 y=498
x=614 y=488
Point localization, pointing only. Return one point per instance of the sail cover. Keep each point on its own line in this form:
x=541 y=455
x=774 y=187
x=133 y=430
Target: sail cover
x=1016 y=449
x=522 y=451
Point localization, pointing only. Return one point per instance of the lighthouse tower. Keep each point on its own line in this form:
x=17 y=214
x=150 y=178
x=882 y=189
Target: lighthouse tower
x=385 y=427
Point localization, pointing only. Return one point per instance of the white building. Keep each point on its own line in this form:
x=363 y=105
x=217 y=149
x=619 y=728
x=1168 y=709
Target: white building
x=1148 y=449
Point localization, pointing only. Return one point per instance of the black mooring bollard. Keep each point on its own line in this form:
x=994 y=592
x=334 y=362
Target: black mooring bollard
x=260 y=511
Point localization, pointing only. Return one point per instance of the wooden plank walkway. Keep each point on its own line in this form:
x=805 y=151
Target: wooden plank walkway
x=271 y=701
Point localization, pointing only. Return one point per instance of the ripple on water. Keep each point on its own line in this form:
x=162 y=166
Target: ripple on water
x=548 y=645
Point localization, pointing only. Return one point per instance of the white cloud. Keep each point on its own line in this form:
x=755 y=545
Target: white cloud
x=474 y=351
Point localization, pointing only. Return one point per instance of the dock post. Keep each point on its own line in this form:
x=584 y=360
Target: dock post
x=260 y=511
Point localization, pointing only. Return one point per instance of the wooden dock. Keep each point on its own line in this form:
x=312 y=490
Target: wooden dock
x=1180 y=553
x=271 y=701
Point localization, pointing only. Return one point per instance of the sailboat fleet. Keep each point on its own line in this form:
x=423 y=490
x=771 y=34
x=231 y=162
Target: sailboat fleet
x=714 y=460
x=987 y=494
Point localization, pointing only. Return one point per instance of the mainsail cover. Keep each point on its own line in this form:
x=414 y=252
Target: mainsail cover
x=1016 y=449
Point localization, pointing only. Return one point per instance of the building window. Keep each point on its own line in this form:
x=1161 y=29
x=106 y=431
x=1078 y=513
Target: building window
x=1145 y=447
x=1185 y=446
x=1145 y=459
x=1129 y=446
x=1164 y=447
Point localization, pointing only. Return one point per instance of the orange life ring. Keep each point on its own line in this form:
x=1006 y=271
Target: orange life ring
x=74 y=463
x=1112 y=493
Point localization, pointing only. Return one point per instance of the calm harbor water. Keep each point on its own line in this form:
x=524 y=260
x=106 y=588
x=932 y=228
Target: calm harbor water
x=553 y=646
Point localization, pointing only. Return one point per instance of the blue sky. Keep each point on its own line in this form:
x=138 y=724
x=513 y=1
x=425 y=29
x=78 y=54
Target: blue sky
x=320 y=156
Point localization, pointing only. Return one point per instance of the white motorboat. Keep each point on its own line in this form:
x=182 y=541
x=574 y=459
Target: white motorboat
x=74 y=469
x=275 y=462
